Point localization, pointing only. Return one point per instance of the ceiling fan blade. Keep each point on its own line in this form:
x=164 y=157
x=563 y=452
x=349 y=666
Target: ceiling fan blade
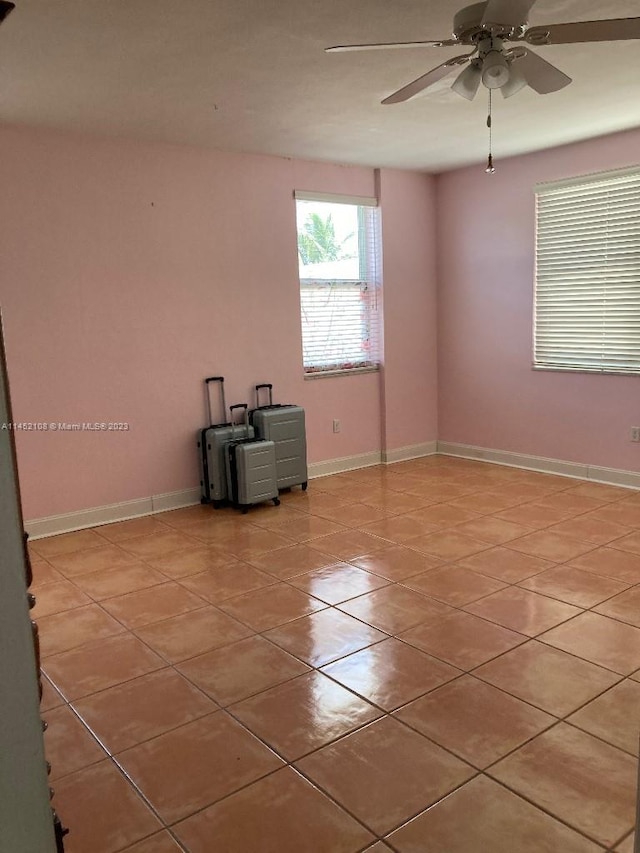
x=468 y=81
x=615 y=29
x=343 y=48
x=5 y=8
x=509 y=12
x=538 y=73
x=426 y=80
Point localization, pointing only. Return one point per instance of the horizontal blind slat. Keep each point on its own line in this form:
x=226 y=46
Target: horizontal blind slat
x=587 y=299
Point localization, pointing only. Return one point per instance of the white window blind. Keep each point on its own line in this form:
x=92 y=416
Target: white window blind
x=587 y=296
x=340 y=276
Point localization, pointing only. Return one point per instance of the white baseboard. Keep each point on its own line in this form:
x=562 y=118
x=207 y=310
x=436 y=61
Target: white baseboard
x=577 y=470
x=345 y=463
x=367 y=460
x=55 y=524
x=175 y=500
x=52 y=525
x=614 y=477
x=413 y=451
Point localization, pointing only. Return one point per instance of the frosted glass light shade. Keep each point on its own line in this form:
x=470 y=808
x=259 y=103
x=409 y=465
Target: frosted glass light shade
x=466 y=83
x=495 y=70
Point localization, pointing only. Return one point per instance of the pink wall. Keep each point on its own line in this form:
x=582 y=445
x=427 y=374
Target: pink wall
x=410 y=373
x=131 y=271
x=488 y=394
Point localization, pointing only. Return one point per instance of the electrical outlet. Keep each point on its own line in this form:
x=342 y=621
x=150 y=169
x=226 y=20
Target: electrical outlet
x=635 y=433
x=336 y=426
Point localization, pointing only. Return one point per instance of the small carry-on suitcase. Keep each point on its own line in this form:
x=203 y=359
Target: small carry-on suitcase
x=211 y=444
x=251 y=467
x=283 y=424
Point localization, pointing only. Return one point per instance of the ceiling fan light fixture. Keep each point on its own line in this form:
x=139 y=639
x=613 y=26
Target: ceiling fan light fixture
x=495 y=70
x=467 y=83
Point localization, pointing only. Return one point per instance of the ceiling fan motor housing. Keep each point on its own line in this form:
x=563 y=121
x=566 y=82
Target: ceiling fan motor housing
x=469 y=29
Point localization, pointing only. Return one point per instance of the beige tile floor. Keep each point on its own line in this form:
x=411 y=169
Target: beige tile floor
x=439 y=655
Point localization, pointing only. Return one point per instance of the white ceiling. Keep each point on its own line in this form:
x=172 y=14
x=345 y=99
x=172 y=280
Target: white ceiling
x=251 y=75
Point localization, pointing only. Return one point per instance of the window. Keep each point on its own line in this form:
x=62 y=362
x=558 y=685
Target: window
x=587 y=298
x=340 y=269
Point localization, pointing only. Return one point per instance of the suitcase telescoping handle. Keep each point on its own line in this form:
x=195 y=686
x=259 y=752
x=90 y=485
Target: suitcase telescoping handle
x=246 y=419
x=207 y=382
x=258 y=388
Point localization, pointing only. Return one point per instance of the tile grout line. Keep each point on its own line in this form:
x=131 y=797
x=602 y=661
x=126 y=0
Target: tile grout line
x=400 y=584
x=110 y=757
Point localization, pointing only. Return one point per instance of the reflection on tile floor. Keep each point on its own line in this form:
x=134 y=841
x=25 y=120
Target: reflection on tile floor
x=434 y=655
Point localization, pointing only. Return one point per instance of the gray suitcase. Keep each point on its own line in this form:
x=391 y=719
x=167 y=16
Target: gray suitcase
x=212 y=441
x=285 y=425
x=251 y=467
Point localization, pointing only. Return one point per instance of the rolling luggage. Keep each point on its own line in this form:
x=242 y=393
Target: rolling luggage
x=251 y=467
x=211 y=444
x=283 y=424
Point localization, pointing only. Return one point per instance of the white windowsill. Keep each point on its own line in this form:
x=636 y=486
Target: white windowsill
x=349 y=371
x=592 y=370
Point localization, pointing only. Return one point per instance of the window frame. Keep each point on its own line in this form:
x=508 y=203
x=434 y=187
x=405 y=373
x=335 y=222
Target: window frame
x=369 y=282
x=600 y=230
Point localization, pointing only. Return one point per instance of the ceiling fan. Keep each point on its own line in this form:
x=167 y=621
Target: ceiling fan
x=486 y=27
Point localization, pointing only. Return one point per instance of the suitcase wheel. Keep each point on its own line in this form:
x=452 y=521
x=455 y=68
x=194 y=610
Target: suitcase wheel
x=304 y=486
x=204 y=501
x=217 y=504
x=276 y=501
x=245 y=510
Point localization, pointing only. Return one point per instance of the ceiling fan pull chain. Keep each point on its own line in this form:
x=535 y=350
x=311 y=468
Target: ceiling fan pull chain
x=490 y=167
